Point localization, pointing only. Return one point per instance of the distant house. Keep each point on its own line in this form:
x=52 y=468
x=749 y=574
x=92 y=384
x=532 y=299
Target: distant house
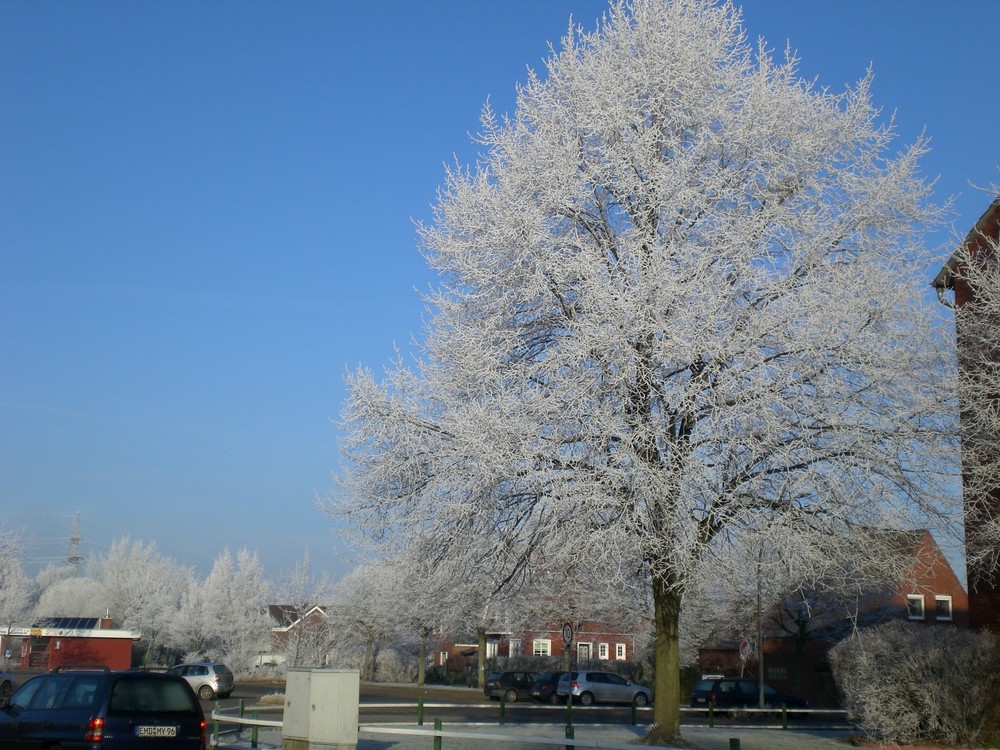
x=59 y=641
x=795 y=646
x=298 y=634
x=980 y=244
x=592 y=642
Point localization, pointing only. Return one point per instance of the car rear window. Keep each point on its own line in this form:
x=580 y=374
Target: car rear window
x=221 y=669
x=705 y=685
x=138 y=695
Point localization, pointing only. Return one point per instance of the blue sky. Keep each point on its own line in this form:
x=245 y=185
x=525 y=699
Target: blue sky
x=206 y=219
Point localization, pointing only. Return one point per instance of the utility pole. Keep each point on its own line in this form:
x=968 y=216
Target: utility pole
x=73 y=552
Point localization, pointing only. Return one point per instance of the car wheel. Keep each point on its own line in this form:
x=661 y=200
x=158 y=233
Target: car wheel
x=641 y=699
x=5 y=688
x=206 y=693
x=510 y=696
x=586 y=699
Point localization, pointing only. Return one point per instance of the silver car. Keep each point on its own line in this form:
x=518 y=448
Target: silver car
x=207 y=679
x=602 y=687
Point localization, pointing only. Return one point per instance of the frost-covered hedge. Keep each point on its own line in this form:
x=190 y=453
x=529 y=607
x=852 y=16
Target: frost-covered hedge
x=906 y=683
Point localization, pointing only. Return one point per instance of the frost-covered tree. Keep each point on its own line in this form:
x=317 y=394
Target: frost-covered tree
x=362 y=614
x=74 y=597
x=679 y=295
x=302 y=589
x=190 y=630
x=144 y=589
x=17 y=591
x=235 y=599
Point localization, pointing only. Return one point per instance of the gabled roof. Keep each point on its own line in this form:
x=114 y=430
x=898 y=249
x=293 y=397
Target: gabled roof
x=987 y=226
x=287 y=616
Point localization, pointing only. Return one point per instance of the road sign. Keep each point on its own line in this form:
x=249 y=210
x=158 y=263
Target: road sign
x=568 y=633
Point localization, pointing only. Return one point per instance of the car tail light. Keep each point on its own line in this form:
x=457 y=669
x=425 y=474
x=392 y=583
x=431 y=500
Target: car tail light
x=95 y=730
x=573 y=684
x=204 y=739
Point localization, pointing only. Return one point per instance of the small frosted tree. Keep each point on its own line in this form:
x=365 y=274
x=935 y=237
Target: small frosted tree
x=302 y=588
x=17 y=591
x=144 y=589
x=678 y=297
x=235 y=599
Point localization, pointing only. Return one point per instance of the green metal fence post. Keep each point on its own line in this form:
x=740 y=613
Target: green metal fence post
x=215 y=730
x=734 y=743
x=437 y=737
x=633 y=713
x=569 y=736
x=420 y=711
x=711 y=716
x=784 y=716
x=253 y=730
x=503 y=711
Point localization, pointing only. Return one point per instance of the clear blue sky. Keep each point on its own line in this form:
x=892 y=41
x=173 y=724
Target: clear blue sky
x=206 y=220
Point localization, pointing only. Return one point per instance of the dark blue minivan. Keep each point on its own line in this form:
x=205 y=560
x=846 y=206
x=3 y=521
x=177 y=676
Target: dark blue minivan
x=99 y=709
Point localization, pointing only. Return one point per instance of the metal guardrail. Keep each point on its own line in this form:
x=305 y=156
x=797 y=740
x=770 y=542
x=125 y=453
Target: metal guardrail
x=238 y=717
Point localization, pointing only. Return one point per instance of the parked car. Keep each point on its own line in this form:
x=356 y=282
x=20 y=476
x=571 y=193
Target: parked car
x=511 y=686
x=207 y=679
x=602 y=687
x=91 y=708
x=733 y=692
x=7 y=684
x=545 y=687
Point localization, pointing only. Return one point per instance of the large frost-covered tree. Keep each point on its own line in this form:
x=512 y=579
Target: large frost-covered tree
x=679 y=296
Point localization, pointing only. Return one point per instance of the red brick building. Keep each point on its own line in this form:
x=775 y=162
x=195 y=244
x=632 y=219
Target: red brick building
x=980 y=246
x=929 y=593
x=61 y=641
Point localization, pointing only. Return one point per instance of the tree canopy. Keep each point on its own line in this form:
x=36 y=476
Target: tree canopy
x=679 y=304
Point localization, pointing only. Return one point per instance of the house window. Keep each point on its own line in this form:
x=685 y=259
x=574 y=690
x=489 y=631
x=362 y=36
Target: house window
x=620 y=651
x=541 y=647
x=602 y=651
x=491 y=649
x=915 y=606
x=443 y=656
x=515 y=647
x=583 y=651
x=942 y=611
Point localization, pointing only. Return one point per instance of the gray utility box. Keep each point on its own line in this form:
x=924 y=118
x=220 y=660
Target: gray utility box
x=321 y=709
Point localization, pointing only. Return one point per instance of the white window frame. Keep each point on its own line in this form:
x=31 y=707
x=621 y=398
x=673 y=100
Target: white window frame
x=915 y=609
x=514 y=647
x=443 y=658
x=541 y=647
x=584 y=646
x=621 y=652
x=492 y=649
x=602 y=651
x=940 y=599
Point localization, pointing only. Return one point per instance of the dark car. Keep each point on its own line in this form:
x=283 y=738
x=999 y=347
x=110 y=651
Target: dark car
x=511 y=686
x=733 y=692
x=90 y=708
x=545 y=687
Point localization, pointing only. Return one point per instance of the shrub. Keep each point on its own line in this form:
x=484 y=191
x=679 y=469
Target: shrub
x=906 y=683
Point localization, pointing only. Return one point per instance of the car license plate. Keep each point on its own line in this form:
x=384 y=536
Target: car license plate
x=151 y=731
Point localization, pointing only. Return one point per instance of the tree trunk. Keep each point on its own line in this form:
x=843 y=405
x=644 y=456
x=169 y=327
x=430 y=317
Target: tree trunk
x=667 y=682
x=366 y=672
x=481 y=637
x=422 y=658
